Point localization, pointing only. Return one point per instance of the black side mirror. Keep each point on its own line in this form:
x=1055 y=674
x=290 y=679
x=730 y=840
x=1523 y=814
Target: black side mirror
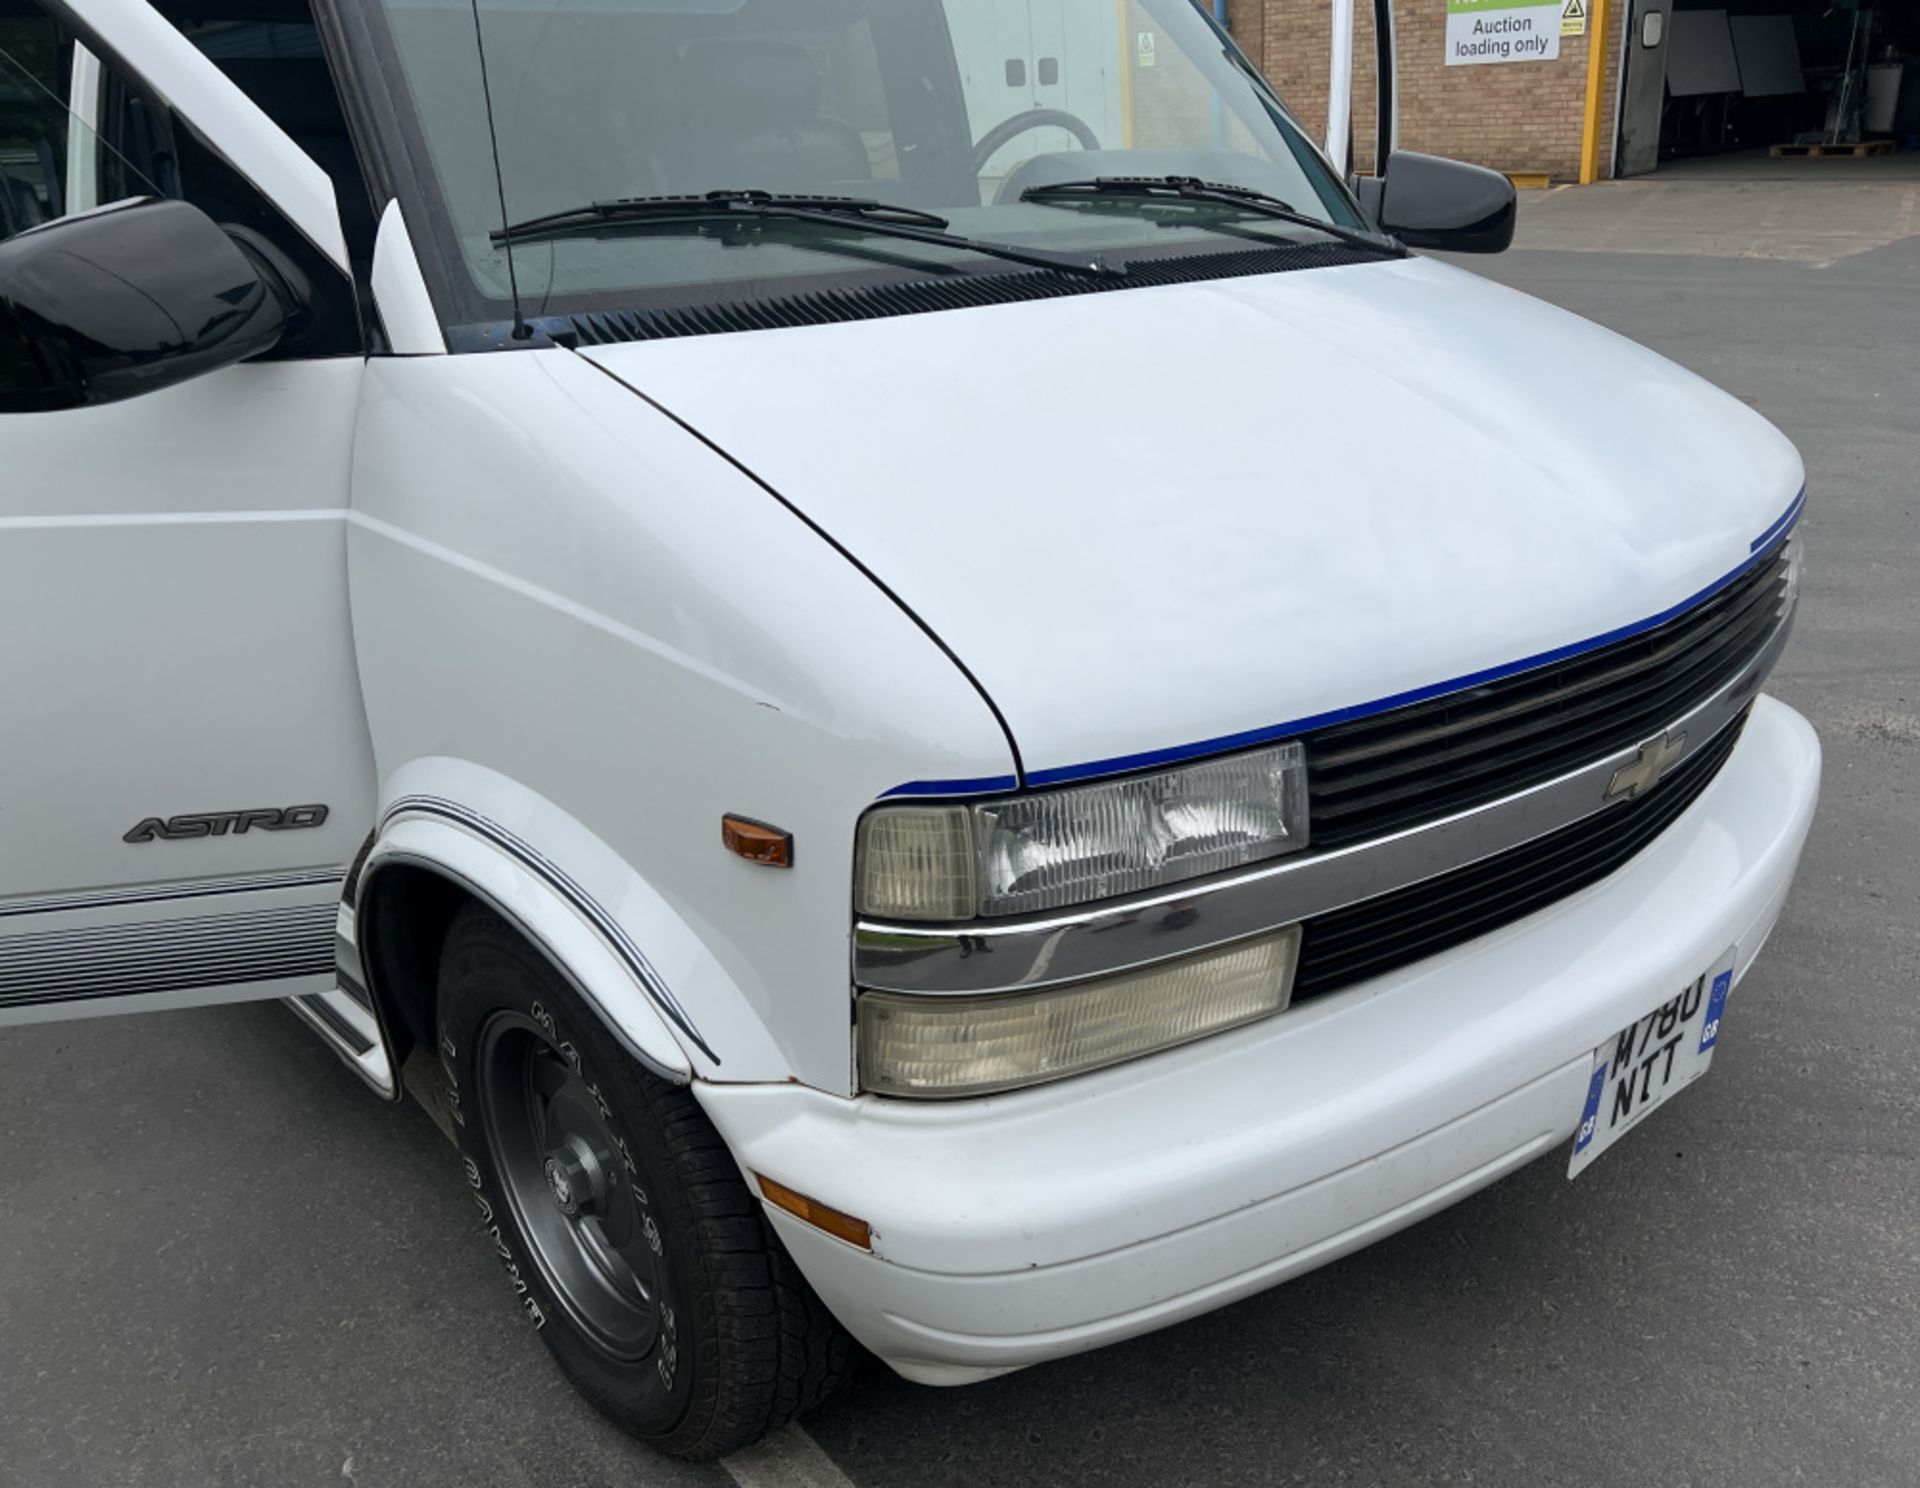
x=124 y=300
x=1428 y=202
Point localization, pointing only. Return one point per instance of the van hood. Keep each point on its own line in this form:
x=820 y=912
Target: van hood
x=1158 y=521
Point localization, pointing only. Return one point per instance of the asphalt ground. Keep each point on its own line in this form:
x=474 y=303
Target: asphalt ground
x=222 y=1263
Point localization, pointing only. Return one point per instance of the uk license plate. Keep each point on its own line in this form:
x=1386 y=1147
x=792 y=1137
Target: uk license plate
x=1650 y=1061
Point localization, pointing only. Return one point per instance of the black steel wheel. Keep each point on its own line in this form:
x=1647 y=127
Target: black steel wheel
x=568 y=1180
x=626 y=1229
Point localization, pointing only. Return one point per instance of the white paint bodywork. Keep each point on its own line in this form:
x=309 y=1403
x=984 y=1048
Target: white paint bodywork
x=406 y=310
x=174 y=636
x=1021 y=1228
x=1196 y=511
x=556 y=584
x=538 y=618
x=132 y=691
x=476 y=861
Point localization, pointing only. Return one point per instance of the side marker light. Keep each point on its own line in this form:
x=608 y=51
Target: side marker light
x=821 y=1216
x=756 y=841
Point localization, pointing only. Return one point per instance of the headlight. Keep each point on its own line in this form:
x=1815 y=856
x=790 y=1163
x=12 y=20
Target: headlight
x=955 y=1046
x=1024 y=853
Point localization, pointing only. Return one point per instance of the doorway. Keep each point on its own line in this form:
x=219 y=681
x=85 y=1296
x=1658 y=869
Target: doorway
x=1705 y=78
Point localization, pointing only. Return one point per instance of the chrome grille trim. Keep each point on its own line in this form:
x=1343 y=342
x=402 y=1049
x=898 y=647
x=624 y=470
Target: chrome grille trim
x=1122 y=935
x=1463 y=749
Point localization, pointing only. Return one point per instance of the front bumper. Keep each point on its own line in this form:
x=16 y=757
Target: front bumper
x=1024 y=1227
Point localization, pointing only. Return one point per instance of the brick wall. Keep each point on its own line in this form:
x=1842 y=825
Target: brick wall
x=1513 y=116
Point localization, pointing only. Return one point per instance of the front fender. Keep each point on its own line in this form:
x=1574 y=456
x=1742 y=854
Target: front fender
x=553 y=580
x=629 y=955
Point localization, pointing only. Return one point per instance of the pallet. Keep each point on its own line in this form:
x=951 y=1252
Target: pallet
x=1858 y=151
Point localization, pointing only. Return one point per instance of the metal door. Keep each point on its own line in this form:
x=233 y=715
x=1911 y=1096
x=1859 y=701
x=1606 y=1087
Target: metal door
x=1643 y=89
x=185 y=769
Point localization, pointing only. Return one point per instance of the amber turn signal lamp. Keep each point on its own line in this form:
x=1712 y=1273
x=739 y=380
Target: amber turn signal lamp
x=820 y=1216
x=756 y=841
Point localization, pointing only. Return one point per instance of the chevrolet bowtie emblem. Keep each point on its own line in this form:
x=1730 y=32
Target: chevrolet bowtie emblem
x=1656 y=757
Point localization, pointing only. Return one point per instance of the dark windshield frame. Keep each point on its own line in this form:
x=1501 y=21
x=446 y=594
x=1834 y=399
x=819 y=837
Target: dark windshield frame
x=398 y=163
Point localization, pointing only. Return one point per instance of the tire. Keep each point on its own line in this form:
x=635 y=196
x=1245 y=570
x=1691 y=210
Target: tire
x=626 y=1228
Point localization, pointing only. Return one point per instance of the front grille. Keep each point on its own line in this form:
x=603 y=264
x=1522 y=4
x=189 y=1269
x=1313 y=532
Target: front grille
x=1375 y=936
x=1428 y=760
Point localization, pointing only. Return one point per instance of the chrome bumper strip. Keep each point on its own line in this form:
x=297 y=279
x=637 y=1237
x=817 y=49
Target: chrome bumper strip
x=1005 y=956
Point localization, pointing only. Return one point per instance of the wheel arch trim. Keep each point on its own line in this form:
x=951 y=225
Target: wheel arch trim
x=550 y=910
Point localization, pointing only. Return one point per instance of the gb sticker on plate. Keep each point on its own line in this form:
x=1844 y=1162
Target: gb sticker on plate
x=1650 y=1060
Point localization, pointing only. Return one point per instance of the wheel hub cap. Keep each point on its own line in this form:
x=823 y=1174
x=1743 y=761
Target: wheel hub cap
x=575 y=1177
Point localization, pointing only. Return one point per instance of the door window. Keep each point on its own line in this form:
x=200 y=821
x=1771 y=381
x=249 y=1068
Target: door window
x=76 y=134
x=51 y=162
x=281 y=66
x=33 y=122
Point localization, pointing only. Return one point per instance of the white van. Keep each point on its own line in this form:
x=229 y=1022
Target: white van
x=917 y=671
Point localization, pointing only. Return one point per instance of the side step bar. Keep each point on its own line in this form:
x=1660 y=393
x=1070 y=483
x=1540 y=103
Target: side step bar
x=343 y=1017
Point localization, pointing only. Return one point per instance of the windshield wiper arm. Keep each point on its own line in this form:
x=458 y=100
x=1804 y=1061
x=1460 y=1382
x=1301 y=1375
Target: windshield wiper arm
x=846 y=213
x=715 y=204
x=1192 y=188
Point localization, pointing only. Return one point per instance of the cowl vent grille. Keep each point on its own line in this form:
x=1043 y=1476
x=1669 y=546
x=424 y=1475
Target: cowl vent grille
x=923 y=297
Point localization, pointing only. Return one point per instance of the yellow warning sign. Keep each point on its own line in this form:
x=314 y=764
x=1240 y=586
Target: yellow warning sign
x=1573 y=18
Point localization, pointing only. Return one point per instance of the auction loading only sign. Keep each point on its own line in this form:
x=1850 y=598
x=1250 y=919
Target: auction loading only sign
x=1502 y=31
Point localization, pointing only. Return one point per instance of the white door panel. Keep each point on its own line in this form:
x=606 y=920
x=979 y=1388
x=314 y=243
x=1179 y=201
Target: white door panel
x=1047 y=29
x=1090 y=79
x=184 y=763
x=1021 y=55
x=242 y=442
x=131 y=707
x=175 y=641
x=993 y=45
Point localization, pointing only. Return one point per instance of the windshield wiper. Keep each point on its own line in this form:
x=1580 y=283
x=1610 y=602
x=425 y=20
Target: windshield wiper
x=1193 y=189
x=843 y=213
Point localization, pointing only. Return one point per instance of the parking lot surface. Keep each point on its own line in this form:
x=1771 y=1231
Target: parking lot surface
x=224 y=1264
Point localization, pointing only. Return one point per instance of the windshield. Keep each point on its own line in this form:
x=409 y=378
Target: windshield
x=954 y=107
